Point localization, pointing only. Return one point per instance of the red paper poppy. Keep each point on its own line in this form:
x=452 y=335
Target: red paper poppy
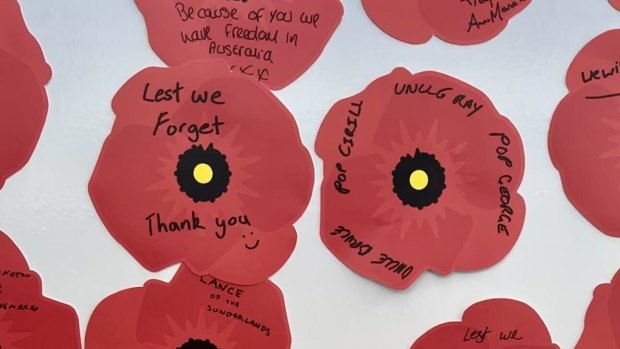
x=214 y=175
x=191 y=312
x=584 y=136
x=615 y=4
x=462 y=22
x=602 y=323
x=275 y=41
x=27 y=319
x=17 y=40
x=496 y=324
x=22 y=96
x=421 y=172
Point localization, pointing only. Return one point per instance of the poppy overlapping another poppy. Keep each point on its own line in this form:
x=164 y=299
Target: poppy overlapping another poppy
x=203 y=166
x=28 y=320
x=464 y=22
x=274 y=41
x=494 y=323
x=584 y=135
x=602 y=322
x=420 y=173
x=191 y=312
x=22 y=94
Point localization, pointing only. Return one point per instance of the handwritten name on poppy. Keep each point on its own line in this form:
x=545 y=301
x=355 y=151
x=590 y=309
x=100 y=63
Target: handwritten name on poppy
x=498 y=12
x=229 y=298
x=10 y=279
x=480 y=335
x=458 y=99
x=381 y=260
x=505 y=209
x=230 y=31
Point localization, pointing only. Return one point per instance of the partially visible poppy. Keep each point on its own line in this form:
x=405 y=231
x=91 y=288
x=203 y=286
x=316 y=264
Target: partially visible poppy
x=615 y=4
x=28 y=320
x=464 y=22
x=191 y=312
x=16 y=39
x=22 y=95
x=491 y=324
x=420 y=173
x=274 y=41
x=602 y=322
x=213 y=175
x=584 y=135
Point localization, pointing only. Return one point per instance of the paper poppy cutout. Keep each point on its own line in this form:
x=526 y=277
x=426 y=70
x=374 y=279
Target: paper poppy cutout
x=584 y=136
x=495 y=323
x=274 y=41
x=213 y=175
x=615 y=4
x=463 y=22
x=602 y=323
x=420 y=173
x=18 y=41
x=28 y=320
x=22 y=95
x=191 y=312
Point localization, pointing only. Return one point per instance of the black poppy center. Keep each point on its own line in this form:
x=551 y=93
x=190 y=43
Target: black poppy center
x=198 y=344
x=419 y=180
x=203 y=174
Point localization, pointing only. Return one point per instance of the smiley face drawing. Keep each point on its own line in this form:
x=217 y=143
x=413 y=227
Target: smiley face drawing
x=250 y=246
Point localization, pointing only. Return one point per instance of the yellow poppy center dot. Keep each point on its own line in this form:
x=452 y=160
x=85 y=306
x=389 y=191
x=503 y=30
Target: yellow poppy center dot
x=203 y=173
x=418 y=180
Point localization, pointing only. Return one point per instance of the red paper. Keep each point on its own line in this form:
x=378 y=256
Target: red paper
x=462 y=22
x=421 y=173
x=584 y=137
x=401 y=19
x=491 y=324
x=191 y=312
x=164 y=192
x=27 y=319
x=22 y=96
x=615 y=4
x=602 y=323
x=17 y=40
x=275 y=41
x=596 y=63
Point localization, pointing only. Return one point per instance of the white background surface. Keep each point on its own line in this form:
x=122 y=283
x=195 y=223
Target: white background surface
x=94 y=46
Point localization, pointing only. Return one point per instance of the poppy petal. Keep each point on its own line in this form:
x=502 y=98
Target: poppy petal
x=596 y=62
x=114 y=321
x=256 y=256
x=615 y=4
x=380 y=245
x=602 y=322
x=24 y=104
x=584 y=145
x=495 y=323
x=400 y=19
x=17 y=40
x=274 y=41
